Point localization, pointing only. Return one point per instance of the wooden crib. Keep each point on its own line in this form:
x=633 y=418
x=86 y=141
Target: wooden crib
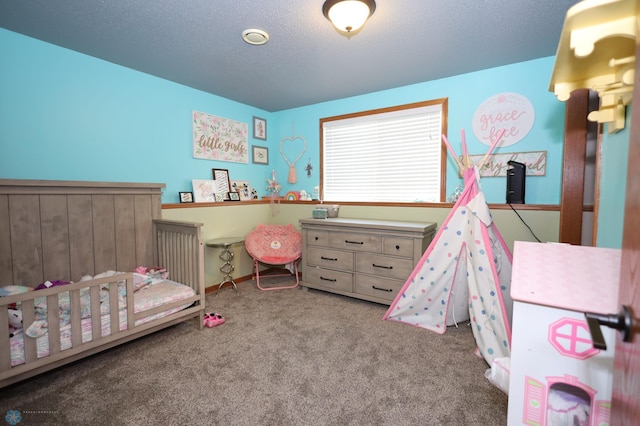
x=64 y=230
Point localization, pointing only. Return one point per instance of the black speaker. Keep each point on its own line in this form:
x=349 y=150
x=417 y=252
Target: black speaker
x=515 y=182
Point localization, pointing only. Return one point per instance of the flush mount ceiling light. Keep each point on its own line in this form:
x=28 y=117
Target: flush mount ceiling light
x=348 y=16
x=255 y=36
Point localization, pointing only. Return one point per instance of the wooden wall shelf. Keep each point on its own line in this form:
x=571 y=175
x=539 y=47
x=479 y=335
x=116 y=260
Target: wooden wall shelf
x=596 y=52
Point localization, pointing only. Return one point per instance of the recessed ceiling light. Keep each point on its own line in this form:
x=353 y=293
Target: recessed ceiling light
x=255 y=36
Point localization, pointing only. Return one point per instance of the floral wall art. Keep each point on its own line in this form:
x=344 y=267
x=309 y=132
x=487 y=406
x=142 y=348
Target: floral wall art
x=218 y=138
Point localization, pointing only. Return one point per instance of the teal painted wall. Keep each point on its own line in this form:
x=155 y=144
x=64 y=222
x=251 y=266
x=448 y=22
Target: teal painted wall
x=465 y=93
x=68 y=116
x=65 y=115
x=613 y=186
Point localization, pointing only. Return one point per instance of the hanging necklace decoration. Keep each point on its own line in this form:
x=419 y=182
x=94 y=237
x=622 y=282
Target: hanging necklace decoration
x=309 y=168
x=292 y=164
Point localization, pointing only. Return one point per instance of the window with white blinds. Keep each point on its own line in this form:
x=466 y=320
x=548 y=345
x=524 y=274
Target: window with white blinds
x=389 y=155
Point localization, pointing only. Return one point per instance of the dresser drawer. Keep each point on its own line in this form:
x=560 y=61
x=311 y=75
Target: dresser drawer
x=384 y=266
x=329 y=258
x=318 y=238
x=383 y=288
x=329 y=279
x=397 y=246
x=356 y=242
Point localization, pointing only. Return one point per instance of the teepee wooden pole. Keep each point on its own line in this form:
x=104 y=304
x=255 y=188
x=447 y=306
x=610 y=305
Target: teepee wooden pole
x=453 y=153
x=493 y=145
x=465 y=152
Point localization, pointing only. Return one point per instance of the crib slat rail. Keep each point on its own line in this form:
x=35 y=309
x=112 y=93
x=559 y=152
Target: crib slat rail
x=28 y=316
x=5 y=350
x=63 y=230
x=180 y=249
x=114 y=335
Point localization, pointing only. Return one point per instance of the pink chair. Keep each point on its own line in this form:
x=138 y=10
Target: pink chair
x=275 y=245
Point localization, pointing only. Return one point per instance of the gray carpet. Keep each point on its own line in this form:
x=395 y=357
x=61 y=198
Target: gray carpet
x=288 y=357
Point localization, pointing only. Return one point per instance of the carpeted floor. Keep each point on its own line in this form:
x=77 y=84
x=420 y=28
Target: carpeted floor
x=288 y=357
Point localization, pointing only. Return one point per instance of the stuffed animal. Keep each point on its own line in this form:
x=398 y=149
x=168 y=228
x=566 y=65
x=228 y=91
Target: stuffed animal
x=48 y=284
x=15 y=322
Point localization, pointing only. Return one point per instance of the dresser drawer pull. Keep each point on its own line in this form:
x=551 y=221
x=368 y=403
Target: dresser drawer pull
x=381 y=266
x=382 y=289
x=354 y=242
x=329 y=258
x=333 y=280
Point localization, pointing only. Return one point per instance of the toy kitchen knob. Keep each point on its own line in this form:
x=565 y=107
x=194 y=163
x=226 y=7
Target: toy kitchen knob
x=622 y=322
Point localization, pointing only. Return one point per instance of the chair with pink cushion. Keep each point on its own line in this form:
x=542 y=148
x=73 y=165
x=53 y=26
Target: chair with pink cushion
x=275 y=246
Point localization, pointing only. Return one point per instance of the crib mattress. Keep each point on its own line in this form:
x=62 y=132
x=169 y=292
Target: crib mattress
x=150 y=297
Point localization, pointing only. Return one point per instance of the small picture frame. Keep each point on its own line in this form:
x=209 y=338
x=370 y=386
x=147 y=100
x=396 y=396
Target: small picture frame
x=260 y=154
x=186 y=197
x=234 y=196
x=259 y=128
x=222 y=181
x=203 y=190
x=243 y=188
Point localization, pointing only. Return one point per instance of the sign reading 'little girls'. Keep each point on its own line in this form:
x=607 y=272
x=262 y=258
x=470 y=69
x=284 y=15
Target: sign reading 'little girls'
x=510 y=111
x=217 y=138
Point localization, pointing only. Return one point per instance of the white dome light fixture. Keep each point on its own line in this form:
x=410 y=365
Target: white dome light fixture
x=255 y=36
x=348 y=16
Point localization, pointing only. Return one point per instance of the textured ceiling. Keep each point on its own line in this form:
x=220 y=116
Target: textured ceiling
x=198 y=43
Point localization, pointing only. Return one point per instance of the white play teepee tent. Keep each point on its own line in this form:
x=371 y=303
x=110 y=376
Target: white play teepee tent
x=464 y=274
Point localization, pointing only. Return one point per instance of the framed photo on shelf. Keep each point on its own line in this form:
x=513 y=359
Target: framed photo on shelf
x=204 y=190
x=234 y=196
x=260 y=154
x=259 y=128
x=222 y=181
x=243 y=188
x=186 y=197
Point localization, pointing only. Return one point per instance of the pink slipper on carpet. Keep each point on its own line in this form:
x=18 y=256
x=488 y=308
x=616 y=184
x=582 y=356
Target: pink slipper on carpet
x=212 y=319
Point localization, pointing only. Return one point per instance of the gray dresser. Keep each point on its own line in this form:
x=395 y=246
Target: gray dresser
x=366 y=259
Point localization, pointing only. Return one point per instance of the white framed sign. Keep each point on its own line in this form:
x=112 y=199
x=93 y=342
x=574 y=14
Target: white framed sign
x=218 y=138
x=497 y=164
x=510 y=111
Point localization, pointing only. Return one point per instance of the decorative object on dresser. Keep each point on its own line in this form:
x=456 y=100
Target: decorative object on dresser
x=78 y=230
x=365 y=259
x=332 y=209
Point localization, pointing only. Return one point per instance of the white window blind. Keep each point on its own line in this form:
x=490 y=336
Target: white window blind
x=384 y=157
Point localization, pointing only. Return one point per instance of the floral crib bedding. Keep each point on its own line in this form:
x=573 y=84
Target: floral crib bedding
x=150 y=292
